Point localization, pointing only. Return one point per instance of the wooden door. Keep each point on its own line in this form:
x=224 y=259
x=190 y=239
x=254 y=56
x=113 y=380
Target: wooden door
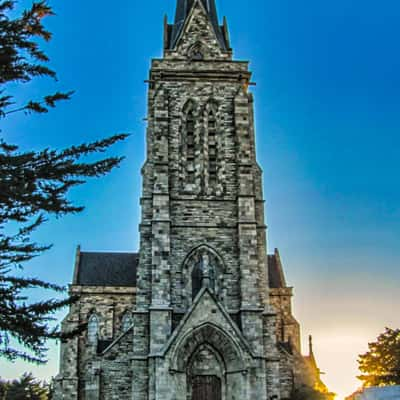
x=205 y=387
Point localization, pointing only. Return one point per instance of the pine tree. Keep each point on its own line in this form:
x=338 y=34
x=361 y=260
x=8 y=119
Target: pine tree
x=33 y=185
x=380 y=365
x=24 y=388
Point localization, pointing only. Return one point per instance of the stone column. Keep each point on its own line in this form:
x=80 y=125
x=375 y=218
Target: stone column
x=140 y=371
x=160 y=309
x=92 y=382
x=160 y=312
x=66 y=384
x=251 y=307
x=272 y=356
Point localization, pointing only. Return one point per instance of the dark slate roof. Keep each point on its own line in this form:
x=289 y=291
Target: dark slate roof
x=275 y=272
x=182 y=11
x=106 y=269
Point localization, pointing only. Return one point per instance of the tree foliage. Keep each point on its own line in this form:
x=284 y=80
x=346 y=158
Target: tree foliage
x=380 y=365
x=305 y=392
x=33 y=185
x=24 y=388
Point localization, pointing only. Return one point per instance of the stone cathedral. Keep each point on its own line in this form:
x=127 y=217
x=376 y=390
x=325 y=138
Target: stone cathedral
x=201 y=312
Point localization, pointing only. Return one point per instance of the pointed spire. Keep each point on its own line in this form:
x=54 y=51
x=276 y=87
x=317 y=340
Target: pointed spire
x=184 y=6
x=182 y=11
x=310 y=346
x=311 y=356
x=77 y=263
x=275 y=271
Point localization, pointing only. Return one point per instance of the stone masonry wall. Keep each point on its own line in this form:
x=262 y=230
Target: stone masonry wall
x=80 y=361
x=288 y=329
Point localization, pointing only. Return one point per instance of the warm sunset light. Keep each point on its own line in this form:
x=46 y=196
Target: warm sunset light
x=216 y=184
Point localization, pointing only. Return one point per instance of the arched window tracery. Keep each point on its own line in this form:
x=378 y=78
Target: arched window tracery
x=93 y=328
x=203 y=268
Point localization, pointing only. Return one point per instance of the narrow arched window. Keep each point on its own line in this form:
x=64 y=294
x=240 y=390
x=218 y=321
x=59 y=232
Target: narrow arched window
x=190 y=147
x=197 y=278
x=202 y=268
x=212 y=148
x=93 y=329
x=126 y=321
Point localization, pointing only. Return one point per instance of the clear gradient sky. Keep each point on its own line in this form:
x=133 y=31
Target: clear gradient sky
x=328 y=134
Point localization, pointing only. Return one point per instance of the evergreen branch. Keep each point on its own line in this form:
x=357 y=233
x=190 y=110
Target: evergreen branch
x=41 y=106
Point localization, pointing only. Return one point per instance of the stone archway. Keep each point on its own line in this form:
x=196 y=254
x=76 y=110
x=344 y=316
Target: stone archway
x=210 y=360
x=205 y=374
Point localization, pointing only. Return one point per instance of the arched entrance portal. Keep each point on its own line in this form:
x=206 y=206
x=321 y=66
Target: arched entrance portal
x=205 y=373
x=212 y=363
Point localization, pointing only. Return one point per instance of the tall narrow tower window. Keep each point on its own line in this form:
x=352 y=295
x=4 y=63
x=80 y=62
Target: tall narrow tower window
x=190 y=147
x=197 y=278
x=212 y=149
x=93 y=329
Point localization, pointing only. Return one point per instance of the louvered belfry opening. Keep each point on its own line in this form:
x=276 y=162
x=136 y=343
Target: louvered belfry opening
x=212 y=149
x=190 y=147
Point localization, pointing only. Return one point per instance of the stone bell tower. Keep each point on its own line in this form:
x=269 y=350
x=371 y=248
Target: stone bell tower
x=203 y=237
x=201 y=312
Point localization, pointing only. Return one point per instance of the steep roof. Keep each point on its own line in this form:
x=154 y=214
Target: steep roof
x=275 y=271
x=183 y=8
x=119 y=269
x=106 y=269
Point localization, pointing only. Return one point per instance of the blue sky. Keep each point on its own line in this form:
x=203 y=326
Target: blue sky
x=327 y=114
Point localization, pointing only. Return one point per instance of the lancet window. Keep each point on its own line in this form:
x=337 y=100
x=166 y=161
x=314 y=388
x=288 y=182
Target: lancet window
x=203 y=275
x=197 y=278
x=212 y=148
x=93 y=328
x=202 y=268
x=126 y=321
x=190 y=146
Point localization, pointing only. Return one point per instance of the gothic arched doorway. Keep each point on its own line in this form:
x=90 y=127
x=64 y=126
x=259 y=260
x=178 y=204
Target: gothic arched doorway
x=210 y=363
x=205 y=373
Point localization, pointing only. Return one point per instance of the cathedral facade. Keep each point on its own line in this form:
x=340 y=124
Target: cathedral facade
x=201 y=312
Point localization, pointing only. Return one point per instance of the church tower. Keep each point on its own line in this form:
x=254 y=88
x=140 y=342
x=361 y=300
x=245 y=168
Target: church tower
x=201 y=312
x=202 y=271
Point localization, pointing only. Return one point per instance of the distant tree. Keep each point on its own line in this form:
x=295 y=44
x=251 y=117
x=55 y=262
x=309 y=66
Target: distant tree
x=3 y=389
x=354 y=395
x=25 y=388
x=305 y=392
x=33 y=185
x=380 y=365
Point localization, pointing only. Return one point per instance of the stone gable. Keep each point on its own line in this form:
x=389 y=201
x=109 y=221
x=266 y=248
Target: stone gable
x=198 y=39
